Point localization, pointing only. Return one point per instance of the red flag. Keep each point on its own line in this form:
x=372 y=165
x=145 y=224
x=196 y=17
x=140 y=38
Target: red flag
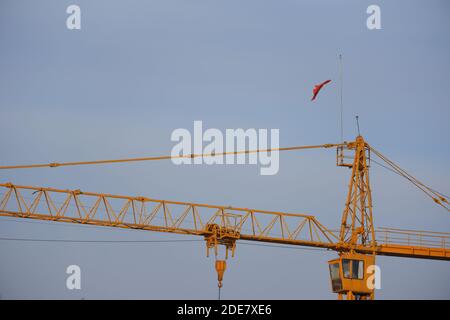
x=317 y=88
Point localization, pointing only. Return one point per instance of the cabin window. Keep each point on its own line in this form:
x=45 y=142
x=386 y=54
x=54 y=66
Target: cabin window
x=336 y=281
x=334 y=271
x=353 y=269
x=346 y=268
x=357 y=269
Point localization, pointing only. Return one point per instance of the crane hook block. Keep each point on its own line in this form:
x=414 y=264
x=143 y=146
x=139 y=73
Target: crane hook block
x=221 y=265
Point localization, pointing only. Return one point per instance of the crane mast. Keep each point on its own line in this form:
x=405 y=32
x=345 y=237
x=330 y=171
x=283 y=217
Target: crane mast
x=357 y=242
x=357 y=220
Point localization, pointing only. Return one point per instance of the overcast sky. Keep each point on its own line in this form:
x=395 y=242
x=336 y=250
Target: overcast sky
x=137 y=70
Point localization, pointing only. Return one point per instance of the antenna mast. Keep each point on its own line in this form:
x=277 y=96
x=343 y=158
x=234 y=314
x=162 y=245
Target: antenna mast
x=341 y=80
x=357 y=125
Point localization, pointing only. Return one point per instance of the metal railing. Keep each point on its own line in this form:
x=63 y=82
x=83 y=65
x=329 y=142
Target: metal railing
x=439 y=240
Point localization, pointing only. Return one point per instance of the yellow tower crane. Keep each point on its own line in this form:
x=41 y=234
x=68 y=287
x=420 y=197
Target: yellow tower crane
x=357 y=242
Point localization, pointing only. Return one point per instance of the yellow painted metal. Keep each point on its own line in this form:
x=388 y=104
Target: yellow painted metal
x=221 y=265
x=156 y=158
x=220 y=225
x=357 y=221
x=356 y=240
x=350 y=277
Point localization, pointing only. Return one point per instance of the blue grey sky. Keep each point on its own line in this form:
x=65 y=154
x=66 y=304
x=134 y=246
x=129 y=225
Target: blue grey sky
x=137 y=70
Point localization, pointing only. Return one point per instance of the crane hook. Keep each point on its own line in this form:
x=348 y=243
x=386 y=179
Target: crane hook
x=221 y=265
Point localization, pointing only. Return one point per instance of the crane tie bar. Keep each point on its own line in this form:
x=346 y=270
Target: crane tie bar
x=64 y=164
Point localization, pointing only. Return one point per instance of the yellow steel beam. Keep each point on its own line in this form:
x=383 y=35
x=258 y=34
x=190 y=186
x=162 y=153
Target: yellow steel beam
x=234 y=223
x=413 y=252
x=159 y=215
